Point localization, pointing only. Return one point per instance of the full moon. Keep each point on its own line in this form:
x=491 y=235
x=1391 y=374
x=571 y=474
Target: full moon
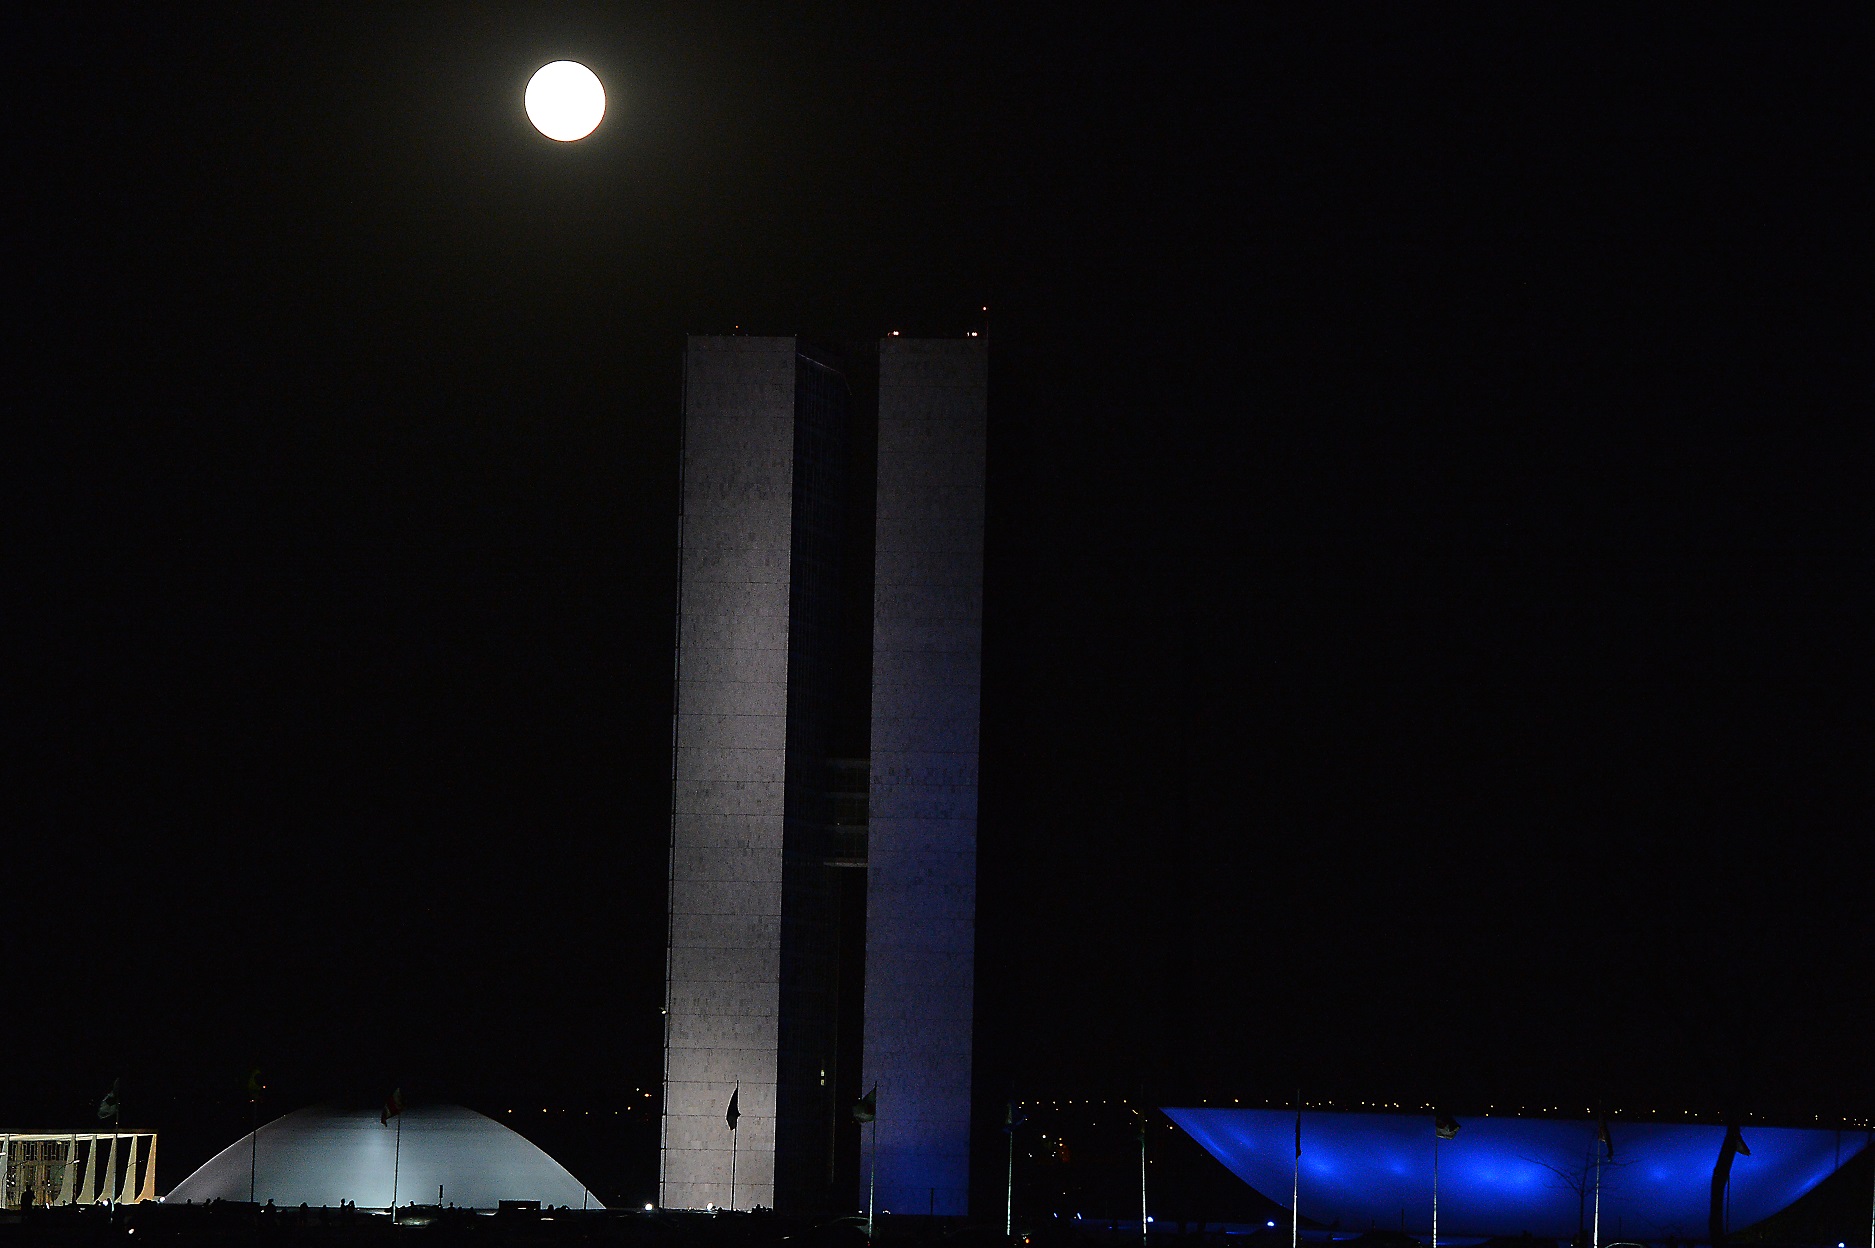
x=565 y=101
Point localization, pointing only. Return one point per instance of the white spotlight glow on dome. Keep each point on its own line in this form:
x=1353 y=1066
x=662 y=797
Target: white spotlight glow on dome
x=565 y=101
x=323 y=1154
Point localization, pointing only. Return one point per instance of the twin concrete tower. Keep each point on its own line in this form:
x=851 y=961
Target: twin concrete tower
x=824 y=786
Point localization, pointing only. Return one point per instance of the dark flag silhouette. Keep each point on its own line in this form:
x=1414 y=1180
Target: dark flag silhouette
x=1607 y=1140
x=1446 y=1126
x=108 y=1108
x=866 y=1108
x=735 y=1107
x=393 y=1106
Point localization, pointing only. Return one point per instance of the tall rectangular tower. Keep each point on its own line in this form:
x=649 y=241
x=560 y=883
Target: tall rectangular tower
x=927 y=665
x=752 y=970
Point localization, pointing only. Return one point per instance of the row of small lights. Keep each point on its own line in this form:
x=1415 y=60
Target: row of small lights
x=587 y=1113
x=1427 y=1105
x=893 y=333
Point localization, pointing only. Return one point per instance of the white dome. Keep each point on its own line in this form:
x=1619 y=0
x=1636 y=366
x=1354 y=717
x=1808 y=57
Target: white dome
x=323 y=1155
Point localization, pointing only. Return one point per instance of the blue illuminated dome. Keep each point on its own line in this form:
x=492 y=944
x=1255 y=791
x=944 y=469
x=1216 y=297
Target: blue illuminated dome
x=325 y=1155
x=1505 y=1176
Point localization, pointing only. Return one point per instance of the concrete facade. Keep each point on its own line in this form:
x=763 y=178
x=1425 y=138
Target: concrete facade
x=723 y=975
x=926 y=698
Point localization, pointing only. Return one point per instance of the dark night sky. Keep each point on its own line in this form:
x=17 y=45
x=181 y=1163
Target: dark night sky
x=1429 y=577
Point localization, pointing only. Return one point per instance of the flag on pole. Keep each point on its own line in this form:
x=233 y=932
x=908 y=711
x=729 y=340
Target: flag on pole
x=1446 y=1126
x=735 y=1107
x=108 y=1108
x=254 y=1086
x=1298 y=1128
x=866 y=1108
x=1013 y=1117
x=393 y=1106
x=1607 y=1140
x=1736 y=1139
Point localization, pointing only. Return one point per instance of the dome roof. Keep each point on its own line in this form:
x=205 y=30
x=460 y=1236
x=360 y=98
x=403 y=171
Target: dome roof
x=323 y=1155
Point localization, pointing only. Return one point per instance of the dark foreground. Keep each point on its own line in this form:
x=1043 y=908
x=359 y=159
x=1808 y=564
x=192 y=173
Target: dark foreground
x=237 y=1225
x=240 y=1224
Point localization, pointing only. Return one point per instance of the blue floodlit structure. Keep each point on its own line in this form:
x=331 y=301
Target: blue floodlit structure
x=1505 y=1176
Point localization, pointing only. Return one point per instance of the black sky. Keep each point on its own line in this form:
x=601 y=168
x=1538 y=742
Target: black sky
x=1429 y=573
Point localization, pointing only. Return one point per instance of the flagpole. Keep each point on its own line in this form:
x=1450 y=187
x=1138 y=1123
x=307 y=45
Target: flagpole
x=117 y=1121
x=1295 y=1184
x=1142 y=1185
x=872 y=1175
x=1009 y=1192
x=1435 y=1185
x=253 y=1147
x=732 y=1116
x=1595 y=1231
x=397 y=1158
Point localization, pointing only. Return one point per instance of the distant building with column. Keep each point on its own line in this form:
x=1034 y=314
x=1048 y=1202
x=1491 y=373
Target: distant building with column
x=76 y=1168
x=822 y=878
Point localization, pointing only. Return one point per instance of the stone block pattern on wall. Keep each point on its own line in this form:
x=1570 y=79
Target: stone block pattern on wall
x=926 y=706
x=724 y=970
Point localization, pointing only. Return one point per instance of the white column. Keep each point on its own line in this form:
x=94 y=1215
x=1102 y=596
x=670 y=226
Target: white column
x=149 y=1173
x=71 y=1164
x=109 y=1185
x=127 y=1194
x=89 y=1194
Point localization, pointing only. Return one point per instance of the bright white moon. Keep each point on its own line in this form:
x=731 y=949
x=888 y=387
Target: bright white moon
x=565 y=101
